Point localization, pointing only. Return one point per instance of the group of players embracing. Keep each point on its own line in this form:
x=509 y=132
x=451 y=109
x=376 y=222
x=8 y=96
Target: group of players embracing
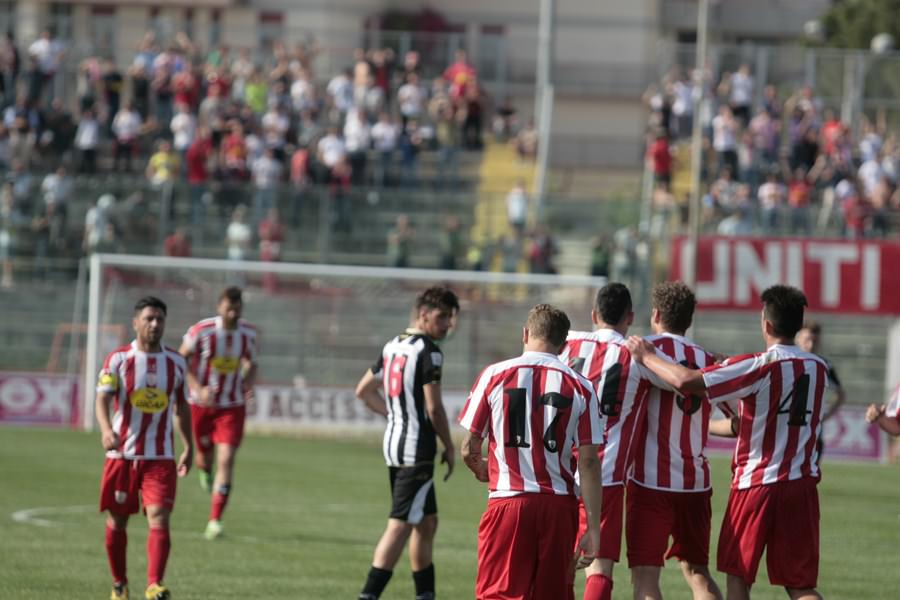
x=586 y=430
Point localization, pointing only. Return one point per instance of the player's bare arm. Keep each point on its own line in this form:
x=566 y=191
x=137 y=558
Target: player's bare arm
x=591 y=493
x=876 y=414
x=108 y=437
x=726 y=428
x=369 y=391
x=248 y=381
x=183 y=426
x=687 y=381
x=201 y=392
x=839 y=400
x=434 y=407
x=472 y=457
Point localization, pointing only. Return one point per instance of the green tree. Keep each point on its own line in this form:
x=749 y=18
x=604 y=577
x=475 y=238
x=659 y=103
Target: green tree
x=853 y=23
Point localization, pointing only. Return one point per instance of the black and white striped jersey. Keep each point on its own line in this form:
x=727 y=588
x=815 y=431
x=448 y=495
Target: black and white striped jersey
x=407 y=364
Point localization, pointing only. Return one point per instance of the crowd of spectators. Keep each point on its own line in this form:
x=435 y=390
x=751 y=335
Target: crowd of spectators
x=777 y=165
x=241 y=132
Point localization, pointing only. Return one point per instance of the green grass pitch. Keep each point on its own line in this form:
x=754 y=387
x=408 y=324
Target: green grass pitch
x=305 y=515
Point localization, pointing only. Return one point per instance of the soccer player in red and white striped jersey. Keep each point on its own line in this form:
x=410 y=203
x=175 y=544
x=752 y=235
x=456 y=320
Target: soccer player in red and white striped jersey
x=221 y=353
x=773 y=503
x=887 y=417
x=622 y=387
x=145 y=382
x=669 y=489
x=533 y=410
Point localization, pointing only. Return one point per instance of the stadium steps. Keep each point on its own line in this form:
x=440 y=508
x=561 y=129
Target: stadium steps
x=500 y=170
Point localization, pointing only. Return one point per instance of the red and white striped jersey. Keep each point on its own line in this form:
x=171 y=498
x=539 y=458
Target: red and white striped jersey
x=534 y=410
x=780 y=395
x=669 y=448
x=146 y=387
x=216 y=355
x=893 y=406
x=622 y=386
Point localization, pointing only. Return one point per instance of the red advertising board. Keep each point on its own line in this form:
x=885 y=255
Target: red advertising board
x=38 y=399
x=836 y=275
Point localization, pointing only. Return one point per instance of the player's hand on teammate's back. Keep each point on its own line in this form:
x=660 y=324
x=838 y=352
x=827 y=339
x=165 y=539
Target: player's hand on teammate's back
x=184 y=462
x=205 y=396
x=638 y=347
x=873 y=412
x=110 y=440
x=448 y=456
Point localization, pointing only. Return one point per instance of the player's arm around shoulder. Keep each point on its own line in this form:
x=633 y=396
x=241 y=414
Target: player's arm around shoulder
x=878 y=415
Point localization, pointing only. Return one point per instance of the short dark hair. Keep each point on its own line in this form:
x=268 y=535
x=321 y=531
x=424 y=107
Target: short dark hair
x=437 y=297
x=548 y=323
x=232 y=294
x=676 y=303
x=813 y=326
x=783 y=307
x=612 y=303
x=151 y=302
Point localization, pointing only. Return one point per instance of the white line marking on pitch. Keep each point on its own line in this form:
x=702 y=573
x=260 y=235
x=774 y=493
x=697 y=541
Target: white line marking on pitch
x=33 y=516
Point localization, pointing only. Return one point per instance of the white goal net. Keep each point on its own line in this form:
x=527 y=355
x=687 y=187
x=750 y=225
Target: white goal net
x=322 y=326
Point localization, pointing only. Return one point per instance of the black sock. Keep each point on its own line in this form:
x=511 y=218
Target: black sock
x=375 y=583
x=424 y=581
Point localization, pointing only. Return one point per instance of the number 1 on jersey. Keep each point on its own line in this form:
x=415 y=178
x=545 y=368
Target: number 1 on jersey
x=517 y=417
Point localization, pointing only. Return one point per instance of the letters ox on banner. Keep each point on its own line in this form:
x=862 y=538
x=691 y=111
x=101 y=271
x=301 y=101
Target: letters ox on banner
x=858 y=277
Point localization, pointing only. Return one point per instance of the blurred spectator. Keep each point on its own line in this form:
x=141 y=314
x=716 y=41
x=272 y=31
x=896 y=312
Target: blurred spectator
x=505 y=121
x=399 y=242
x=447 y=134
x=22 y=183
x=58 y=132
x=178 y=244
x=799 y=191
x=384 y=136
x=49 y=230
x=510 y=247
x=11 y=223
x=331 y=151
x=196 y=159
x=411 y=98
x=299 y=177
x=682 y=107
x=340 y=91
x=473 y=107
x=601 y=251
x=459 y=75
x=741 y=90
x=275 y=125
x=725 y=129
x=303 y=92
x=358 y=140
x=96 y=221
x=271 y=238
x=163 y=166
x=126 y=126
x=527 y=142
x=771 y=197
x=267 y=174
x=47 y=53
x=238 y=235
x=57 y=188
x=339 y=188
x=542 y=252
x=517 y=208
x=451 y=243
x=10 y=63
x=410 y=143
x=738 y=223
x=184 y=128
x=660 y=155
x=233 y=151
x=87 y=140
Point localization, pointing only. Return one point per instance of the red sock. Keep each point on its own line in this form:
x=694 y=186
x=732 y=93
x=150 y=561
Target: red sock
x=116 y=544
x=598 y=587
x=158 y=545
x=218 y=506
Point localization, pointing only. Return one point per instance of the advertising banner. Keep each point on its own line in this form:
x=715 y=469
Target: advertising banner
x=836 y=275
x=38 y=399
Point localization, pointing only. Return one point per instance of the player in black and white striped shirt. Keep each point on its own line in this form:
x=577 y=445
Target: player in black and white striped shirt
x=404 y=385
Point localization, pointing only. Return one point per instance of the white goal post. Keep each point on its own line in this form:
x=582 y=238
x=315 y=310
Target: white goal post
x=322 y=323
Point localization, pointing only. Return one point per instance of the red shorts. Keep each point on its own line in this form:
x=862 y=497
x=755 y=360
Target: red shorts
x=525 y=548
x=651 y=516
x=781 y=517
x=214 y=425
x=611 y=507
x=127 y=481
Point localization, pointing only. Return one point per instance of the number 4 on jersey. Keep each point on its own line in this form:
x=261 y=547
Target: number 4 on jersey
x=796 y=398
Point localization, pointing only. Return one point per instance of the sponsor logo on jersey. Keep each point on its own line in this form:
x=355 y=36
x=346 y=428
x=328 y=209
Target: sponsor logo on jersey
x=108 y=380
x=225 y=364
x=149 y=400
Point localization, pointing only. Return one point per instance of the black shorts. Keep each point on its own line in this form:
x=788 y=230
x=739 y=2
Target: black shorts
x=412 y=493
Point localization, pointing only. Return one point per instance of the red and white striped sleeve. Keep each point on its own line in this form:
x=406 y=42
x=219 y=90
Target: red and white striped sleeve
x=189 y=341
x=654 y=379
x=476 y=414
x=893 y=406
x=251 y=350
x=591 y=425
x=736 y=378
x=108 y=379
